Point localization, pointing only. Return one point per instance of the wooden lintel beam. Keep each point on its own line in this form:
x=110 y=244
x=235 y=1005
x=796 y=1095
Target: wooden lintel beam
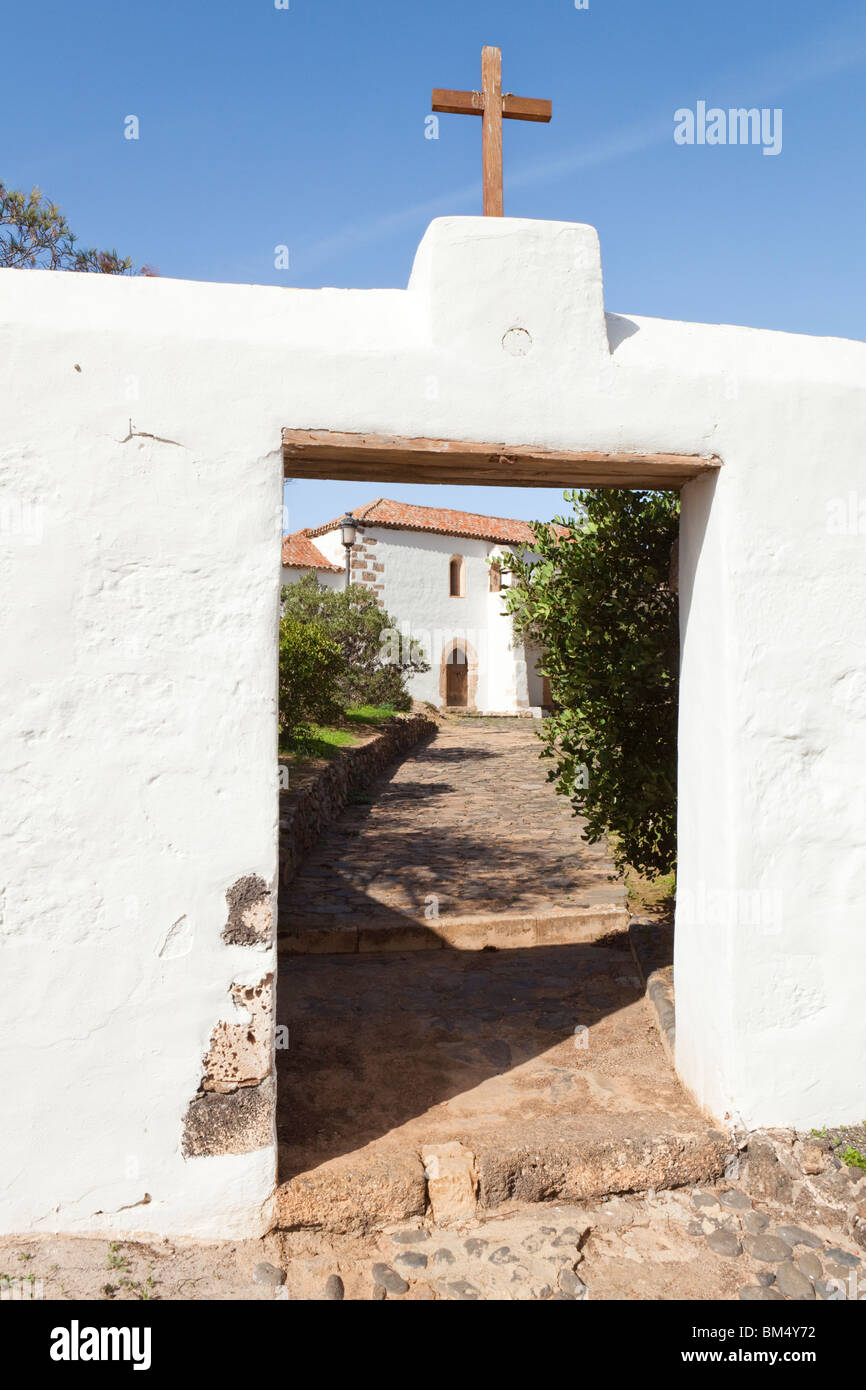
x=394 y=459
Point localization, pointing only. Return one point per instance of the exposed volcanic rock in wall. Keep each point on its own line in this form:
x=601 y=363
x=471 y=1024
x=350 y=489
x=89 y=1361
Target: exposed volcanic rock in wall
x=250 y=921
x=238 y=1123
x=240 y=1054
x=233 y=1110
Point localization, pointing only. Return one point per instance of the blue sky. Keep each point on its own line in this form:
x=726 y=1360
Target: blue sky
x=305 y=127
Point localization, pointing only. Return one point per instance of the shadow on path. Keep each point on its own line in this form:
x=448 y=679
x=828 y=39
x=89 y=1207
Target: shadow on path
x=433 y=1045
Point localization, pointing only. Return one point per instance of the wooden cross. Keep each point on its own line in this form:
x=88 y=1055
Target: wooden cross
x=490 y=104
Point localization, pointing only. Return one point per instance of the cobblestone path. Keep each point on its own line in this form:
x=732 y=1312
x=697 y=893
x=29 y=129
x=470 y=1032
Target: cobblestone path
x=466 y=825
x=695 y=1244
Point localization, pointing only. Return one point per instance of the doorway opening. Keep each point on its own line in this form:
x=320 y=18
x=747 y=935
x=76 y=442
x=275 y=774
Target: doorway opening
x=462 y=976
x=457 y=680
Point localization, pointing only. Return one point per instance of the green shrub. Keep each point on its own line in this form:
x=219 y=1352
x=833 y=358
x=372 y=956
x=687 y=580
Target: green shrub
x=600 y=605
x=312 y=670
x=375 y=665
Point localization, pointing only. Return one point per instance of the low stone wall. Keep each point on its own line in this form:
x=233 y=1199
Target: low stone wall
x=305 y=813
x=652 y=946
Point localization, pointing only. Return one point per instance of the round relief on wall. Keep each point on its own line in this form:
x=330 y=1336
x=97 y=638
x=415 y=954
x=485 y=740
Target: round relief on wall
x=517 y=342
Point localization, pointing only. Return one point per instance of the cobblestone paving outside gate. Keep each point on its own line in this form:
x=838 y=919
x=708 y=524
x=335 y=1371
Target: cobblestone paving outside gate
x=697 y=1243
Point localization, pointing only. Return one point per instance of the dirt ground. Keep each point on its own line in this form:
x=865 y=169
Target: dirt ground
x=483 y=1048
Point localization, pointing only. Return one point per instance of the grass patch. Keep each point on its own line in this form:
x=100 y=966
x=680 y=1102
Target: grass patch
x=325 y=741
x=316 y=742
x=369 y=714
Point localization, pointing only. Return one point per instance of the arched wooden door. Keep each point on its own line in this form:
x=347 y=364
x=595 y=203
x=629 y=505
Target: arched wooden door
x=457 y=680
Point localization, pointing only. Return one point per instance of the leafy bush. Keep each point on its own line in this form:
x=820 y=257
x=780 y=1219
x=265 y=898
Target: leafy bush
x=312 y=669
x=600 y=604
x=375 y=666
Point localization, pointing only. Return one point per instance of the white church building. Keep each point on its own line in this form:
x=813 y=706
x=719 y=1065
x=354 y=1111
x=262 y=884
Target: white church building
x=440 y=574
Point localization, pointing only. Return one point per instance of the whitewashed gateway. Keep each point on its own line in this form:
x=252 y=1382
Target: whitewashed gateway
x=146 y=423
x=440 y=574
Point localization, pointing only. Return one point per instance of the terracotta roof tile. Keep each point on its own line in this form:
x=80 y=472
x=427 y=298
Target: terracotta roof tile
x=300 y=553
x=406 y=516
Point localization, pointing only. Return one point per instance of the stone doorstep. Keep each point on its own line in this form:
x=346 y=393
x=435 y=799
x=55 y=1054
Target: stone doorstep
x=369 y=1191
x=569 y=926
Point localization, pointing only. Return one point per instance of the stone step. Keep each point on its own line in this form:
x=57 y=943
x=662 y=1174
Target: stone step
x=375 y=1188
x=332 y=934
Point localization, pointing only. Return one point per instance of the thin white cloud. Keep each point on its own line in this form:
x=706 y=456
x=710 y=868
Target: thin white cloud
x=785 y=71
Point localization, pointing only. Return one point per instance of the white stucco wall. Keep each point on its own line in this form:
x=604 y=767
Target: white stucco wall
x=330 y=544
x=509 y=689
x=535 y=681
x=289 y=574
x=417 y=593
x=139 y=582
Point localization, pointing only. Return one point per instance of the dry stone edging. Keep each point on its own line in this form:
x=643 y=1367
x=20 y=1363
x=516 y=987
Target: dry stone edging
x=650 y=952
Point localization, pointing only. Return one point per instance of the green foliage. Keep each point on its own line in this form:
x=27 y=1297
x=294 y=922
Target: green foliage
x=600 y=605
x=853 y=1158
x=376 y=664
x=34 y=234
x=312 y=669
x=317 y=741
x=369 y=714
